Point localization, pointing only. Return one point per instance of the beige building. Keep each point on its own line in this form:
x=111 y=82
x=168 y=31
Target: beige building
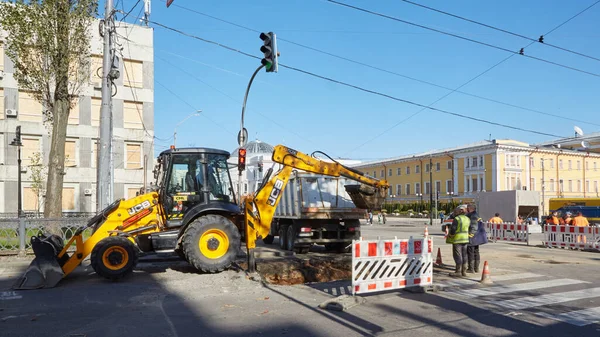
x=460 y=173
x=133 y=120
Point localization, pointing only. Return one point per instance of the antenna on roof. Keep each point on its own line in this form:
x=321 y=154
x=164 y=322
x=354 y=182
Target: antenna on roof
x=585 y=144
x=578 y=131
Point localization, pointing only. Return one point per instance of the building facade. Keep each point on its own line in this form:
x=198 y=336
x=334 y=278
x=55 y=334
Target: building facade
x=459 y=174
x=133 y=133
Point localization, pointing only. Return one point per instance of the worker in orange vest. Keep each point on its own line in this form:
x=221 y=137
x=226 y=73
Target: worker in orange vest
x=552 y=219
x=566 y=219
x=580 y=220
x=496 y=219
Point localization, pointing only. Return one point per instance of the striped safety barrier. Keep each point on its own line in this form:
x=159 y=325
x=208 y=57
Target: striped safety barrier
x=379 y=265
x=586 y=237
x=507 y=232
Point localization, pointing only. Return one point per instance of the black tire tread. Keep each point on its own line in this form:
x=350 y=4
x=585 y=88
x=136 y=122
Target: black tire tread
x=97 y=251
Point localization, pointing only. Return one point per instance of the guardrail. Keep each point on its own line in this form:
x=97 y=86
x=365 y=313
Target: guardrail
x=16 y=233
x=586 y=237
x=507 y=231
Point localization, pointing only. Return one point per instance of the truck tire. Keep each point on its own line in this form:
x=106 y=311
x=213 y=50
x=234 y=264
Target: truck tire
x=211 y=243
x=114 y=257
x=290 y=238
x=269 y=239
x=282 y=236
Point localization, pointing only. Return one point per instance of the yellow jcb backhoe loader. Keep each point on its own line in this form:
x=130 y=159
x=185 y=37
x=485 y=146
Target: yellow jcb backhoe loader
x=192 y=210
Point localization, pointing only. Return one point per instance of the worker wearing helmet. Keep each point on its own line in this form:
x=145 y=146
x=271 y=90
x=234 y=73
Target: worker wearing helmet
x=565 y=220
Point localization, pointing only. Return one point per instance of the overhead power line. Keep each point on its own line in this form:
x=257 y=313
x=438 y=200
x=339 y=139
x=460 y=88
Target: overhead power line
x=399 y=74
x=464 y=38
x=361 y=88
x=539 y=40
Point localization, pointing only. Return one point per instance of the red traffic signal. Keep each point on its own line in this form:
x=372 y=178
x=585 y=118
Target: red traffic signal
x=241 y=159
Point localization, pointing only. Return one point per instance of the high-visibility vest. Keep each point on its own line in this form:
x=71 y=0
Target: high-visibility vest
x=565 y=221
x=552 y=220
x=580 y=221
x=462 y=231
x=496 y=219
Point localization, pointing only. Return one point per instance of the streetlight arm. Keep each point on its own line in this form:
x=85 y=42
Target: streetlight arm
x=178 y=124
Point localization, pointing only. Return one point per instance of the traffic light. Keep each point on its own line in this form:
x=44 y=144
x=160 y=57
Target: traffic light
x=269 y=49
x=241 y=159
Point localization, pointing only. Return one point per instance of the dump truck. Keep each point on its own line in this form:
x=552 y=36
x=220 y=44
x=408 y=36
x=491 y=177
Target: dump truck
x=315 y=209
x=192 y=211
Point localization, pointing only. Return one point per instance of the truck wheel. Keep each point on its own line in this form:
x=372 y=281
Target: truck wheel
x=114 y=257
x=269 y=239
x=290 y=238
x=211 y=243
x=282 y=237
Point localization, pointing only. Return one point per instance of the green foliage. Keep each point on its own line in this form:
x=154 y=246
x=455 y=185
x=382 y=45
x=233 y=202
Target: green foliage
x=37 y=175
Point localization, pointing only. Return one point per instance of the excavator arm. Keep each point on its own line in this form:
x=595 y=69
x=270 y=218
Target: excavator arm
x=260 y=207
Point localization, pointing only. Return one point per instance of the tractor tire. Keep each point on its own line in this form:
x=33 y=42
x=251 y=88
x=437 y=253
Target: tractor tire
x=290 y=238
x=114 y=257
x=179 y=253
x=269 y=239
x=282 y=236
x=211 y=243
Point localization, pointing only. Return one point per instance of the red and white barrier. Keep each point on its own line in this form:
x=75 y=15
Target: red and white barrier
x=507 y=232
x=586 y=237
x=379 y=265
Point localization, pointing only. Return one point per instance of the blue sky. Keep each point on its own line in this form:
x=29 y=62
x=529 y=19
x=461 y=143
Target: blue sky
x=309 y=114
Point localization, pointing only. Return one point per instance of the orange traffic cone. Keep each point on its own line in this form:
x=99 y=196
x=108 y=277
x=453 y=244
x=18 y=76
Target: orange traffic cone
x=438 y=260
x=426 y=233
x=485 y=275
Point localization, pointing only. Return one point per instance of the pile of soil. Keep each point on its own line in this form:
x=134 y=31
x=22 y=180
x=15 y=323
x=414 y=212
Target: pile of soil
x=299 y=271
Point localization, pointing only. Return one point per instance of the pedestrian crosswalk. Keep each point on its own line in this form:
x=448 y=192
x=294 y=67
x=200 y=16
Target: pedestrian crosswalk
x=565 y=300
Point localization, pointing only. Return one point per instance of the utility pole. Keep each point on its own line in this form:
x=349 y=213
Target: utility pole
x=430 y=191
x=105 y=170
x=543 y=191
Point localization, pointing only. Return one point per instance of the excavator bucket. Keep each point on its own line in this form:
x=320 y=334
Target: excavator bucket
x=366 y=197
x=45 y=270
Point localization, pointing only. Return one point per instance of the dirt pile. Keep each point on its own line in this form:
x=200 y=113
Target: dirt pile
x=298 y=271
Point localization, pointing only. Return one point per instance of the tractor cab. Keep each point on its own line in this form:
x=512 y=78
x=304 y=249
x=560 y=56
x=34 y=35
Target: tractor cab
x=192 y=181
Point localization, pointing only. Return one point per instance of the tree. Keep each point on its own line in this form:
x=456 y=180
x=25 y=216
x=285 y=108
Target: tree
x=37 y=171
x=49 y=43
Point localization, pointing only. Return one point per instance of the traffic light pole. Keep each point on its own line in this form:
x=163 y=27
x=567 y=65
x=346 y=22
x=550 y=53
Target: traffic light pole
x=242 y=139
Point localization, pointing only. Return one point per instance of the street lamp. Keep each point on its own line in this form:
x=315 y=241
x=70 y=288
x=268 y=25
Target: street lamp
x=197 y=113
x=420 y=195
x=17 y=142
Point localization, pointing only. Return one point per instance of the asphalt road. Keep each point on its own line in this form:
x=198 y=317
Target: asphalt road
x=537 y=291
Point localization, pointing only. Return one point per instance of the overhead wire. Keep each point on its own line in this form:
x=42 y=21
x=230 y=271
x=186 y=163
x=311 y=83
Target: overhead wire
x=396 y=73
x=364 y=89
x=462 y=37
x=539 y=40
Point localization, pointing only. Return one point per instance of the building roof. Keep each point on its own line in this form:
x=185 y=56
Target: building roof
x=255 y=147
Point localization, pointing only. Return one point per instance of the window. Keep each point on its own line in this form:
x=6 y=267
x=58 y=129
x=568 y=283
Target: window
x=513 y=181
x=374 y=174
x=570 y=185
x=30 y=200
x=596 y=186
x=2 y=112
x=578 y=165
x=389 y=172
x=418 y=188
x=408 y=170
x=133 y=154
x=578 y=185
x=96 y=70
x=570 y=165
x=96 y=107
x=475 y=184
x=427 y=188
x=133 y=191
x=595 y=166
x=449 y=165
x=481 y=183
x=560 y=164
x=513 y=160
x=407 y=189
x=68 y=199
x=30 y=110
x=467 y=163
x=438 y=186
x=468 y=186
x=1 y=56
x=474 y=161
x=449 y=186
x=551 y=185
x=70 y=153
x=532 y=161
x=532 y=184
x=417 y=168
x=398 y=189
x=427 y=168
x=133 y=74
x=74 y=113
x=30 y=146
x=94 y=152
x=382 y=174
x=437 y=166
x=132 y=115
x=587 y=186
x=399 y=171
x=551 y=163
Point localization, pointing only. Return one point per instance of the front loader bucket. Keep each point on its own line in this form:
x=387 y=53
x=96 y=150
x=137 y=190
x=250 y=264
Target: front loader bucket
x=366 y=197
x=45 y=270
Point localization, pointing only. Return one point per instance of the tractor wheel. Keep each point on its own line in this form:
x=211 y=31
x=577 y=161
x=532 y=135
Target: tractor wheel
x=290 y=238
x=211 y=243
x=179 y=253
x=282 y=236
x=269 y=239
x=114 y=257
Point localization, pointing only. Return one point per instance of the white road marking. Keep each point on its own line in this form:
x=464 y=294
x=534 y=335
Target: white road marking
x=536 y=301
x=579 y=318
x=507 y=277
x=503 y=289
x=9 y=295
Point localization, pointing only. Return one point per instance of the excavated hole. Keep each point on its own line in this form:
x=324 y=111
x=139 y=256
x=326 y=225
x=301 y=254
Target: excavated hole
x=309 y=270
